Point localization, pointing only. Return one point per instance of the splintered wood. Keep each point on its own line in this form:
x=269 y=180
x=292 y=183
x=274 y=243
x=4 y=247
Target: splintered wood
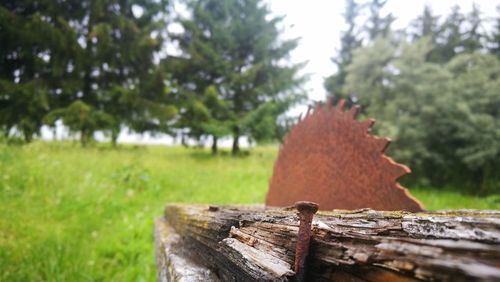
x=248 y=243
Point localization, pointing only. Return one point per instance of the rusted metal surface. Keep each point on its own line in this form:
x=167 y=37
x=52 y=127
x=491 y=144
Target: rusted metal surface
x=330 y=158
x=306 y=214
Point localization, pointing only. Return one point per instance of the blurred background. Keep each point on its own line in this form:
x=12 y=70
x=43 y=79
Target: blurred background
x=111 y=108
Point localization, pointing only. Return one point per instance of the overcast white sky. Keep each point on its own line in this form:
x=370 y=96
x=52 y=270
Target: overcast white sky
x=319 y=24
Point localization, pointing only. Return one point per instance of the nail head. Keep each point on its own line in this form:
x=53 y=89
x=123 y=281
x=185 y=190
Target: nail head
x=306 y=206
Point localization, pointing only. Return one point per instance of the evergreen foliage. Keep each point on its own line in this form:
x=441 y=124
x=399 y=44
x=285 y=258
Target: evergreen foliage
x=443 y=118
x=349 y=41
x=232 y=71
x=434 y=89
x=101 y=65
x=494 y=37
x=60 y=56
x=36 y=45
x=378 y=24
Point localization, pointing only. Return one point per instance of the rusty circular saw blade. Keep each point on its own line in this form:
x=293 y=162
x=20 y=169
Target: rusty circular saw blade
x=329 y=158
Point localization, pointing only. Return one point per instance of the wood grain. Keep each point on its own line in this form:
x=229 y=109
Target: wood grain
x=248 y=243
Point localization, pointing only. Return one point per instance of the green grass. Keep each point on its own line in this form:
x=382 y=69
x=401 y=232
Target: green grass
x=77 y=214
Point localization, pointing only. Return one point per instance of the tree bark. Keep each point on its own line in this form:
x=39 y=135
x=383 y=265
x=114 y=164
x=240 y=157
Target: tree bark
x=28 y=136
x=183 y=140
x=83 y=141
x=114 y=136
x=248 y=243
x=236 y=145
x=85 y=137
x=214 y=145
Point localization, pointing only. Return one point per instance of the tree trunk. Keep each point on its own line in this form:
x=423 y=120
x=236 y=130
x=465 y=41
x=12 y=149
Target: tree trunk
x=249 y=243
x=84 y=137
x=236 y=145
x=28 y=137
x=214 y=145
x=183 y=140
x=114 y=136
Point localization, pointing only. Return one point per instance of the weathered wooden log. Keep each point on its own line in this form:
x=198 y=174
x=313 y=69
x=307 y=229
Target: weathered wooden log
x=248 y=243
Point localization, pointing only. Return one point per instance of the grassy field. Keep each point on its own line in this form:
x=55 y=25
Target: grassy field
x=77 y=214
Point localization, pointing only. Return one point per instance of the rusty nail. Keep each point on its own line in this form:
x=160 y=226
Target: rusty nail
x=213 y=208
x=306 y=212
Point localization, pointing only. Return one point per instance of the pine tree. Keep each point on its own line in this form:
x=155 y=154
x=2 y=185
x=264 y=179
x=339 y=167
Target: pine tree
x=37 y=46
x=450 y=39
x=443 y=118
x=231 y=48
x=426 y=25
x=494 y=38
x=473 y=35
x=57 y=55
x=378 y=24
x=349 y=41
x=476 y=80
x=119 y=75
x=367 y=75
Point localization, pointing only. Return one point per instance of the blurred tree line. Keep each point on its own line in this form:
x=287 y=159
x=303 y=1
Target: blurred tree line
x=434 y=88
x=102 y=65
